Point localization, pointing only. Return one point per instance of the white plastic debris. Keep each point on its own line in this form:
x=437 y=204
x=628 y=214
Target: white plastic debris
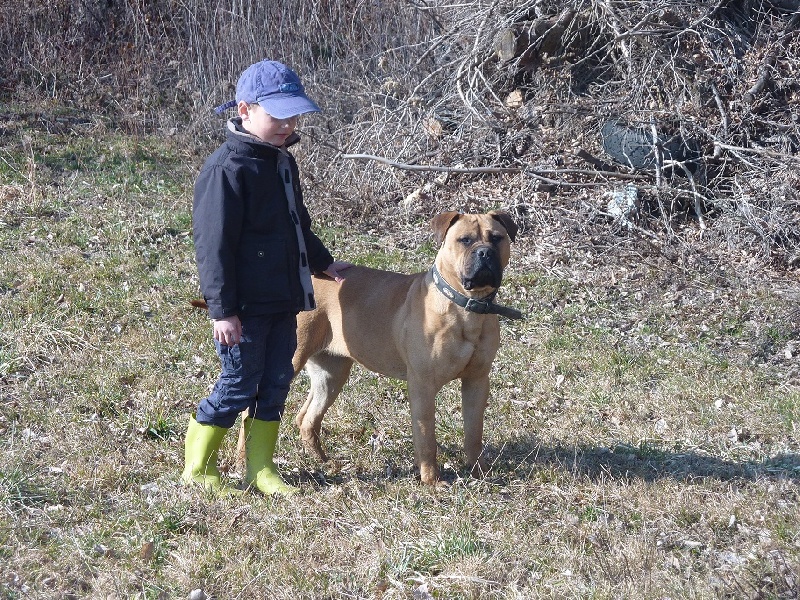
x=624 y=203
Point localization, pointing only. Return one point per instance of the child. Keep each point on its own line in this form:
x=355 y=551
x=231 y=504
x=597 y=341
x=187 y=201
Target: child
x=255 y=255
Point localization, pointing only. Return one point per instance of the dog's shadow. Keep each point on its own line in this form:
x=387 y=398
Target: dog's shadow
x=528 y=458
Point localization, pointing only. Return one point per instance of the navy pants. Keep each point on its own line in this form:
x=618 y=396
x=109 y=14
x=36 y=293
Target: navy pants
x=256 y=373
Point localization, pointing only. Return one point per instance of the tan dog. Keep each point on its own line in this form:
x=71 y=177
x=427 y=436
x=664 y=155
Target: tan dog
x=428 y=329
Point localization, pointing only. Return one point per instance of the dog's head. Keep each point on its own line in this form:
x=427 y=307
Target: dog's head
x=474 y=248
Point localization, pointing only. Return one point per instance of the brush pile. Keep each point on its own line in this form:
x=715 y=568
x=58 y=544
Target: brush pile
x=672 y=122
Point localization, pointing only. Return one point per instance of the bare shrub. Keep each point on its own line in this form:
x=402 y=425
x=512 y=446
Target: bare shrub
x=471 y=104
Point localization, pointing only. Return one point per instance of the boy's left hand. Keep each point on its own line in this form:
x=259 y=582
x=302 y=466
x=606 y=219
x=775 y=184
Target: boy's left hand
x=335 y=268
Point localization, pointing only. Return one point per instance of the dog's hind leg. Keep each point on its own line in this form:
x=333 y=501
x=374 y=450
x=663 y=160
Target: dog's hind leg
x=328 y=374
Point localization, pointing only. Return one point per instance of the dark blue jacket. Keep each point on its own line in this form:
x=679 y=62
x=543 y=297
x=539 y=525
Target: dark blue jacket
x=246 y=242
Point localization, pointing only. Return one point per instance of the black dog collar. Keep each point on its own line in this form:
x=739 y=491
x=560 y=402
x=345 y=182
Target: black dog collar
x=481 y=306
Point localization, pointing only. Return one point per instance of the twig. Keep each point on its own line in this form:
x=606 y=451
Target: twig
x=657 y=152
x=759 y=151
x=430 y=76
x=592 y=160
x=472 y=61
x=763 y=77
x=698 y=207
x=726 y=120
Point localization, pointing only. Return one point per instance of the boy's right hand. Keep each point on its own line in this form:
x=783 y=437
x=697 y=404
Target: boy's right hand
x=228 y=331
x=334 y=270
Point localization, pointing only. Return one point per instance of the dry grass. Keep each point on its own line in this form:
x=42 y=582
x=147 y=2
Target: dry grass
x=642 y=429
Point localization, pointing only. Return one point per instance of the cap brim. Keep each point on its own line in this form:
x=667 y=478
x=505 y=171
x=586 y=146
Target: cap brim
x=286 y=106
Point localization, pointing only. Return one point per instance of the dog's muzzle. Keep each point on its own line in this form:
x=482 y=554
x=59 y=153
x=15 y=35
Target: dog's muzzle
x=483 y=269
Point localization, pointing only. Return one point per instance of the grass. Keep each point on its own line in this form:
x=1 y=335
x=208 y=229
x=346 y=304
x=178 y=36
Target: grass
x=642 y=430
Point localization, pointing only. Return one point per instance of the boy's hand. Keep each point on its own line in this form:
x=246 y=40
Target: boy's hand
x=228 y=331
x=334 y=270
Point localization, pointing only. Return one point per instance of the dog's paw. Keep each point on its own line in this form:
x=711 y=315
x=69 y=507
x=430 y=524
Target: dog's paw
x=429 y=474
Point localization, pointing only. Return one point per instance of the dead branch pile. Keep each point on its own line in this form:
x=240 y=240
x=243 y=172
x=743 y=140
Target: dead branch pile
x=677 y=121
x=653 y=116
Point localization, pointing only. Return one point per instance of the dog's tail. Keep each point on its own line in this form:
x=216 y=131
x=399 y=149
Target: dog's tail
x=199 y=304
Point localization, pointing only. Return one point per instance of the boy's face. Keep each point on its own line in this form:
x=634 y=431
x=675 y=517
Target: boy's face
x=264 y=126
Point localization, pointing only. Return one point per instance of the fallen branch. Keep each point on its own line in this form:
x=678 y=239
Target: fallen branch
x=409 y=167
x=538 y=173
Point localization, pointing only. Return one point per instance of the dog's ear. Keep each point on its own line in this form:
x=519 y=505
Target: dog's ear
x=506 y=221
x=441 y=223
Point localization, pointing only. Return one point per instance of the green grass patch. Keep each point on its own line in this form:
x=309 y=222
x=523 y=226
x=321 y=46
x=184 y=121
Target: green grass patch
x=620 y=431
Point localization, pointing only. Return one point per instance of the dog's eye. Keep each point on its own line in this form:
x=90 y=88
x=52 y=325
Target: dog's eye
x=495 y=238
x=466 y=240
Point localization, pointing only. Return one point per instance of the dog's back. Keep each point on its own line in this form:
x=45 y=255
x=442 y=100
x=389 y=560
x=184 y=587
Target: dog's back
x=345 y=322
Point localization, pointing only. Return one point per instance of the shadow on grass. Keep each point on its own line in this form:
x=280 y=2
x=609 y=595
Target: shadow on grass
x=523 y=458
x=528 y=458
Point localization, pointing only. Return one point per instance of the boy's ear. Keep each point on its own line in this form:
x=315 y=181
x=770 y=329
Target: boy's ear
x=243 y=109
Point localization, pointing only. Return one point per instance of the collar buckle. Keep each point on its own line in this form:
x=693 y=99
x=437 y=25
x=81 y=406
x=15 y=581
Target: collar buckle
x=481 y=307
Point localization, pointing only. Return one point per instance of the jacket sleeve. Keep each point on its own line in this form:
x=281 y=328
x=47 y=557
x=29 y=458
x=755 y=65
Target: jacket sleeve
x=319 y=258
x=217 y=224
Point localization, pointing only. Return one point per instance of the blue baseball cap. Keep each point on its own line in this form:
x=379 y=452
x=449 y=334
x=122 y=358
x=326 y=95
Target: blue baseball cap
x=275 y=87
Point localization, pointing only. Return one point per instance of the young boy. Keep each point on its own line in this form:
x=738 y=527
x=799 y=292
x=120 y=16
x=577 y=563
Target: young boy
x=255 y=255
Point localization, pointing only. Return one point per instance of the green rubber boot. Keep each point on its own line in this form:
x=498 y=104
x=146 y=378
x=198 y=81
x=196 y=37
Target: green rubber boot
x=202 y=446
x=261 y=473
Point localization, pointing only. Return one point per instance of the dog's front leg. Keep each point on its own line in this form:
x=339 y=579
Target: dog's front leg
x=474 y=398
x=422 y=398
